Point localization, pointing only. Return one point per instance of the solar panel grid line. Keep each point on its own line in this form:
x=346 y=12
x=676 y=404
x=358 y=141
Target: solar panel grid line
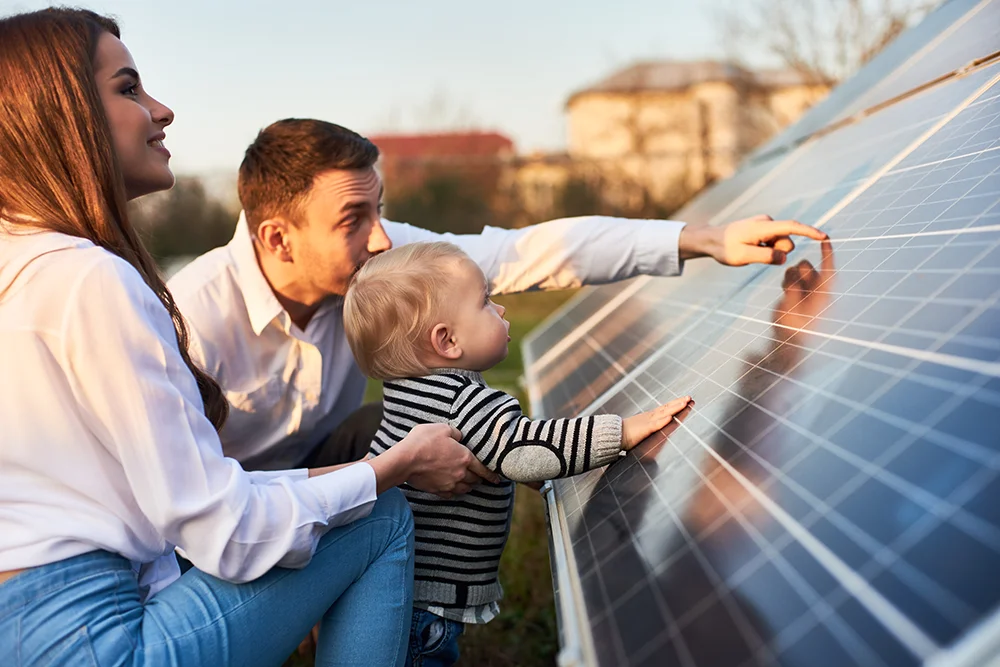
x=961 y=363
x=821 y=509
x=947 y=118
x=951 y=158
x=718 y=584
x=559 y=312
x=634 y=286
x=909 y=634
x=866 y=663
x=786 y=162
x=969 y=450
x=933 y=504
x=821 y=608
x=937 y=232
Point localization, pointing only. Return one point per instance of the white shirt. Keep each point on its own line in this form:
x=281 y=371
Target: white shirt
x=289 y=388
x=104 y=442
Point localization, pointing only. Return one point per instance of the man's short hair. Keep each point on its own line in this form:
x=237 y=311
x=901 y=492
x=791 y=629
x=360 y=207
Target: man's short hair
x=279 y=167
x=392 y=303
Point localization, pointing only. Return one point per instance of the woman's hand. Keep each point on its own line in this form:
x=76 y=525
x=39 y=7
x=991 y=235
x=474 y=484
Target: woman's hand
x=432 y=459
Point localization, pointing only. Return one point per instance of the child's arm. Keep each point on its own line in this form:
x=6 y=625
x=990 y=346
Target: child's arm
x=525 y=450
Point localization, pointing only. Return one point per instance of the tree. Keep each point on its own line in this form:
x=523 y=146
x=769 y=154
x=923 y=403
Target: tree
x=823 y=40
x=446 y=200
x=183 y=221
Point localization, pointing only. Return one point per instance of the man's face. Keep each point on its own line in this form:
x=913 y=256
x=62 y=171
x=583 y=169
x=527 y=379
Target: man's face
x=341 y=229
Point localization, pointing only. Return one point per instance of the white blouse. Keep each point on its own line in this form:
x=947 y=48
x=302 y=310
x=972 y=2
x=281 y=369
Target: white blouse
x=103 y=439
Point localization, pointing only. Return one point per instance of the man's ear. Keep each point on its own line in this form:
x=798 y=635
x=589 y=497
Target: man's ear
x=444 y=344
x=273 y=237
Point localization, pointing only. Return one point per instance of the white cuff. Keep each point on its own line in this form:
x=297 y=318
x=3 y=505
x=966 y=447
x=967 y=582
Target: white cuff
x=657 y=248
x=347 y=494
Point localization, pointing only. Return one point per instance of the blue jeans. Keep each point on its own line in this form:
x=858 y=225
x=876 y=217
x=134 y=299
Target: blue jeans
x=433 y=640
x=87 y=610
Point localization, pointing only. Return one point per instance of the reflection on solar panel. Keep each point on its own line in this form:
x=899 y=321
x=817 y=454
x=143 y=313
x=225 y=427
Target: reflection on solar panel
x=834 y=496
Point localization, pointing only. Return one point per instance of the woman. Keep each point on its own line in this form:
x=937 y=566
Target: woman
x=109 y=454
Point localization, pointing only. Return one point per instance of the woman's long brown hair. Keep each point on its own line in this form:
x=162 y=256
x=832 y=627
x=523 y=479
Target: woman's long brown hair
x=58 y=167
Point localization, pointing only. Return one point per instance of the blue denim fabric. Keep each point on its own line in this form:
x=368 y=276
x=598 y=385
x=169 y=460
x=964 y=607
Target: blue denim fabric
x=87 y=611
x=433 y=640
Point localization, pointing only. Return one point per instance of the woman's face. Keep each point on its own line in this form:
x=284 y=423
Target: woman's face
x=136 y=120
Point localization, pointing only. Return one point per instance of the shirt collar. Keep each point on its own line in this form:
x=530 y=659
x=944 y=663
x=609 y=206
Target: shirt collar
x=475 y=376
x=262 y=305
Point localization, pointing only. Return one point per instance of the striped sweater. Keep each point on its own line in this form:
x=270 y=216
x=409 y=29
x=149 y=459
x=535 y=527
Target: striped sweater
x=459 y=541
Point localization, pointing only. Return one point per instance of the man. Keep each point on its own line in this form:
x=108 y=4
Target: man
x=265 y=311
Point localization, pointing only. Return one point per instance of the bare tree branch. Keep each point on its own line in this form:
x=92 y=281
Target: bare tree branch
x=824 y=40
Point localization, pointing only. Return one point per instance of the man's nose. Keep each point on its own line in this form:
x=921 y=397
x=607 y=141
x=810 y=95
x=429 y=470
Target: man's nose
x=378 y=240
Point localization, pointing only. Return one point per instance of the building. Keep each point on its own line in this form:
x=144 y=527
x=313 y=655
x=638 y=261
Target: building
x=660 y=131
x=408 y=160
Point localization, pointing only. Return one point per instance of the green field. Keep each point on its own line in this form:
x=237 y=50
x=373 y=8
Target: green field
x=525 y=633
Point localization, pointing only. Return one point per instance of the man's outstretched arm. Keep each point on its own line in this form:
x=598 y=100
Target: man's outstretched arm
x=593 y=250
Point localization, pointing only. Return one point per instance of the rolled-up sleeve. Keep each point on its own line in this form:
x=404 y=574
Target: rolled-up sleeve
x=562 y=254
x=138 y=397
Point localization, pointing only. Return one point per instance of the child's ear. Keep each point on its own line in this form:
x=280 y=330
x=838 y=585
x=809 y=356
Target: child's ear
x=444 y=343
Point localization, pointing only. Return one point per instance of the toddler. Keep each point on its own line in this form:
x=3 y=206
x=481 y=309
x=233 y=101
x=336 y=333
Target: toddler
x=420 y=318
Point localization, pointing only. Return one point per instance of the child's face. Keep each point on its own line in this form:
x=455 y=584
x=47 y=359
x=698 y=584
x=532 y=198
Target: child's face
x=478 y=325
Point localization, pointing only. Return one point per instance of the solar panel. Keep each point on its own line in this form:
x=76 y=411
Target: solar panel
x=833 y=496
x=805 y=184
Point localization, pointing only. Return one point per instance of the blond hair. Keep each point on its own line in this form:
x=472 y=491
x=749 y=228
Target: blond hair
x=391 y=304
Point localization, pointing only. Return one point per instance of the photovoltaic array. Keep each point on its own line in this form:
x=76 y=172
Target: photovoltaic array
x=833 y=497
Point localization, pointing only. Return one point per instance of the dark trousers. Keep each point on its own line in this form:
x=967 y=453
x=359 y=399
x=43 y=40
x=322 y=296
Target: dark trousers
x=348 y=442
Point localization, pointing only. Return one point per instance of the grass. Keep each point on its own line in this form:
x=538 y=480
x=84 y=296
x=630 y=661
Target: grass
x=525 y=632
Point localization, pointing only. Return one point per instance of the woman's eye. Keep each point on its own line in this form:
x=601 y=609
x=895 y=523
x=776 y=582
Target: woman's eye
x=131 y=91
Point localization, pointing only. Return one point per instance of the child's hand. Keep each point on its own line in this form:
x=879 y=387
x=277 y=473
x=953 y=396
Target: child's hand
x=638 y=428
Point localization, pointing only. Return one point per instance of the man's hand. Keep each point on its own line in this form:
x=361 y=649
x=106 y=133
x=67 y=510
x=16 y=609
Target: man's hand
x=431 y=459
x=756 y=240
x=641 y=426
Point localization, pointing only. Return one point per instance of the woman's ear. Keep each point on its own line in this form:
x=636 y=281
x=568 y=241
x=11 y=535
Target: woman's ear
x=444 y=344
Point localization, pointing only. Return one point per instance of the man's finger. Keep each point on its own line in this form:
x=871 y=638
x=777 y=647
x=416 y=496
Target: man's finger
x=762 y=255
x=454 y=433
x=784 y=244
x=477 y=468
x=779 y=228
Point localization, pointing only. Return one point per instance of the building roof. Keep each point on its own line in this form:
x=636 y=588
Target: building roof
x=449 y=144
x=663 y=75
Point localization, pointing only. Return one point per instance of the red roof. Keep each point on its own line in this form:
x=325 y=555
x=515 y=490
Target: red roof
x=451 y=144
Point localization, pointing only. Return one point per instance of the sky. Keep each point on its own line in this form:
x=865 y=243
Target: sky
x=227 y=69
